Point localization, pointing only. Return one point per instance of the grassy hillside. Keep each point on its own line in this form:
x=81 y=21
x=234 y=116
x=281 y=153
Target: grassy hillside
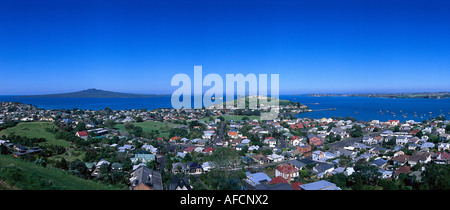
x=19 y=174
x=35 y=130
x=162 y=127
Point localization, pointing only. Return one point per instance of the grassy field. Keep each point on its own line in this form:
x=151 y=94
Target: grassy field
x=35 y=130
x=233 y=117
x=162 y=127
x=57 y=178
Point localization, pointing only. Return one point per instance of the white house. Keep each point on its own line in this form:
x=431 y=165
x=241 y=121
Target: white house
x=401 y=140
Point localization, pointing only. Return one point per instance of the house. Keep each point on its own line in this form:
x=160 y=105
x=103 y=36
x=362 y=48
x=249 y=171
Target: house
x=189 y=150
x=320 y=156
x=144 y=178
x=369 y=140
x=274 y=158
x=401 y=140
x=142 y=158
x=403 y=169
x=233 y=135
x=426 y=145
x=118 y=167
x=314 y=140
x=296 y=185
x=400 y=159
x=194 y=168
x=286 y=171
x=442 y=158
x=304 y=150
x=257 y=178
x=320 y=185
x=208 y=150
x=82 y=134
x=278 y=180
x=380 y=163
x=271 y=141
x=179 y=183
x=323 y=169
x=179 y=168
x=261 y=159
x=419 y=157
x=297 y=164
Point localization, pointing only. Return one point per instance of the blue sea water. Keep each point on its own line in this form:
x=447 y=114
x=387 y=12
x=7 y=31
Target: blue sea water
x=361 y=108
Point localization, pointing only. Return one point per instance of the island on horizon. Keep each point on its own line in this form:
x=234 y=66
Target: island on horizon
x=94 y=93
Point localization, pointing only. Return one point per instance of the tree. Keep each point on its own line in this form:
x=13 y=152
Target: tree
x=128 y=126
x=81 y=126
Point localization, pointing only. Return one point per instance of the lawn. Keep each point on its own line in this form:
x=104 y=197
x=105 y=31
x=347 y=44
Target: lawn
x=35 y=130
x=58 y=178
x=162 y=127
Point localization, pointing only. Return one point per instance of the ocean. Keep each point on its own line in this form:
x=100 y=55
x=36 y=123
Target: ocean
x=361 y=108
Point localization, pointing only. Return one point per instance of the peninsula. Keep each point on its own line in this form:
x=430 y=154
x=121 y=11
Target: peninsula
x=94 y=93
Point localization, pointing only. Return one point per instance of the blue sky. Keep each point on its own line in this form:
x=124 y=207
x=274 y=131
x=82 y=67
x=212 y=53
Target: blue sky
x=315 y=46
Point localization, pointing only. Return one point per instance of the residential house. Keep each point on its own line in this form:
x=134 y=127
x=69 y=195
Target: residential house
x=314 y=140
x=304 y=150
x=142 y=158
x=403 y=169
x=320 y=156
x=274 y=158
x=179 y=168
x=320 y=185
x=400 y=159
x=257 y=178
x=419 y=157
x=286 y=171
x=261 y=159
x=144 y=178
x=194 y=168
x=380 y=162
x=82 y=134
x=323 y=169
x=179 y=183
x=401 y=140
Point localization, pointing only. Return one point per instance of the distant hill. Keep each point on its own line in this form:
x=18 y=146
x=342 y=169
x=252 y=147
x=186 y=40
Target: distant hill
x=95 y=93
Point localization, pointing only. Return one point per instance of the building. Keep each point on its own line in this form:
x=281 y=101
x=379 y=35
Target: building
x=144 y=178
x=82 y=134
x=320 y=185
x=286 y=171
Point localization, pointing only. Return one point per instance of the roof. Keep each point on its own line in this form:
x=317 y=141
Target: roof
x=82 y=133
x=320 y=185
x=278 y=180
x=403 y=169
x=296 y=185
x=258 y=177
x=286 y=169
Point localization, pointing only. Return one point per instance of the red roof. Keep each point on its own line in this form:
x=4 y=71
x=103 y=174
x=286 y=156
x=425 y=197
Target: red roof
x=296 y=185
x=278 y=180
x=208 y=149
x=286 y=169
x=403 y=169
x=189 y=149
x=82 y=133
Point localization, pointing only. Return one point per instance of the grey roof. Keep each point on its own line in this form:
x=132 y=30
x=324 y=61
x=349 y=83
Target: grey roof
x=379 y=162
x=149 y=177
x=297 y=163
x=323 y=167
x=281 y=186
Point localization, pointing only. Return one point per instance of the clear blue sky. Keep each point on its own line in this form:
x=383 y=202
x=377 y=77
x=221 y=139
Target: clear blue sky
x=137 y=46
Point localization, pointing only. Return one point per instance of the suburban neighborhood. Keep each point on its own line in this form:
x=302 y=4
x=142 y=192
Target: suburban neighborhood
x=218 y=149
